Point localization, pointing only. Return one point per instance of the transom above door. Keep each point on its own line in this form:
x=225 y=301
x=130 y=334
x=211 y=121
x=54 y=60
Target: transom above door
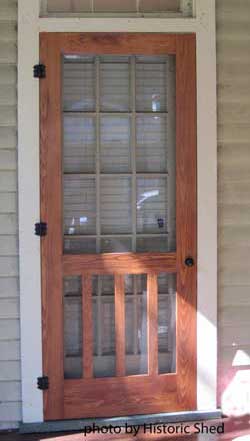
x=118 y=192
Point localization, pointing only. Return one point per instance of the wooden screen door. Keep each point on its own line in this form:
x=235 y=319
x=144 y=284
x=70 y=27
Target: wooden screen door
x=118 y=194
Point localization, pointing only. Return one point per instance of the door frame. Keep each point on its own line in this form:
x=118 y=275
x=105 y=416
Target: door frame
x=63 y=399
x=29 y=195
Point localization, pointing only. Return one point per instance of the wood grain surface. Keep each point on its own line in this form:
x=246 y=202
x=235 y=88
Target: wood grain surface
x=87 y=326
x=152 y=323
x=120 y=326
x=112 y=43
x=120 y=396
x=119 y=263
x=186 y=217
x=51 y=245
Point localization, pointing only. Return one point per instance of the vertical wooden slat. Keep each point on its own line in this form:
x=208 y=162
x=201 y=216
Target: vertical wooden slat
x=87 y=327
x=120 y=325
x=152 y=323
x=99 y=315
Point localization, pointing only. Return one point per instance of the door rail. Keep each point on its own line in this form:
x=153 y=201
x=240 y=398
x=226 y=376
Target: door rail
x=119 y=263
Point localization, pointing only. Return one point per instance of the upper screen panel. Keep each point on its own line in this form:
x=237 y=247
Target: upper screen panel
x=118 y=120
x=132 y=7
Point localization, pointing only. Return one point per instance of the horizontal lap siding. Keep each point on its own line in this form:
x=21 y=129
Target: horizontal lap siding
x=10 y=385
x=233 y=70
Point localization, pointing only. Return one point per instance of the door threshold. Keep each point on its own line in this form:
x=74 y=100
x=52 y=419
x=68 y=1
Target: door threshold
x=78 y=425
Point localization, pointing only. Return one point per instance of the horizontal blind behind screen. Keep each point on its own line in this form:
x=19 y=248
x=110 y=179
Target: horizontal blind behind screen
x=118 y=154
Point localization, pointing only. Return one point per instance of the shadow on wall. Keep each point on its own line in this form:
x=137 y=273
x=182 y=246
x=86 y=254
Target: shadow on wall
x=234 y=388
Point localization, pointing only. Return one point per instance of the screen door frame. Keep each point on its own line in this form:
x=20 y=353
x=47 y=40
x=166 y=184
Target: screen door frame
x=52 y=46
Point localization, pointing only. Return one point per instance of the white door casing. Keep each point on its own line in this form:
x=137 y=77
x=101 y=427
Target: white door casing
x=29 y=27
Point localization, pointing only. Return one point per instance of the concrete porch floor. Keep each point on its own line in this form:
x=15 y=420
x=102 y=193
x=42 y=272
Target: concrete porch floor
x=236 y=429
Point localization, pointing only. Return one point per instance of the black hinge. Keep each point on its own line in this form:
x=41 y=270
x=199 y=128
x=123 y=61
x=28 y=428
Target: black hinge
x=42 y=383
x=39 y=71
x=40 y=229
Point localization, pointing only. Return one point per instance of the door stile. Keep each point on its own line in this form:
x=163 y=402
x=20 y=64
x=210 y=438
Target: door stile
x=120 y=325
x=51 y=213
x=186 y=208
x=87 y=324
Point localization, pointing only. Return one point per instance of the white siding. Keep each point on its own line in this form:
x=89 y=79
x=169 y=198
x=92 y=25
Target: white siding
x=233 y=38
x=10 y=387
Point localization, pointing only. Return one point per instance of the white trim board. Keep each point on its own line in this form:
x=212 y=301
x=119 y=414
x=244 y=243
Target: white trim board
x=29 y=26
